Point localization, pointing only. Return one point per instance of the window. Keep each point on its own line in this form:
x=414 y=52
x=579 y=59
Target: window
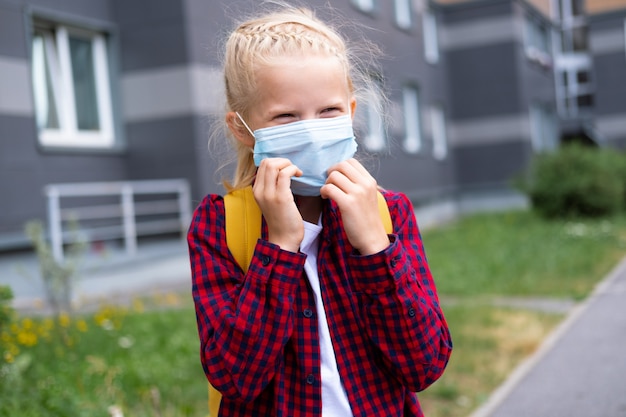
x=543 y=129
x=573 y=26
x=403 y=13
x=440 y=141
x=574 y=87
x=536 y=35
x=71 y=87
x=375 y=138
x=412 y=124
x=431 y=40
x=537 y=42
x=364 y=5
x=370 y=121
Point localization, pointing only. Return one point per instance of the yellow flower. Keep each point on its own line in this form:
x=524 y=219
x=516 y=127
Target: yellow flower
x=47 y=324
x=5 y=337
x=27 y=323
x=64 y=320
x=81 y=325
x=27 y=338
x=172 y=299
x=138 y=305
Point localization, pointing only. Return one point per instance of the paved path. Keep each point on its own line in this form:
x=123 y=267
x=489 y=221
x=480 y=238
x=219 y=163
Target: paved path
x=580 y=370
x=110 y=275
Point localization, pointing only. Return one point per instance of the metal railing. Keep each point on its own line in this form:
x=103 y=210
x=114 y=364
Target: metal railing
x=134 y=218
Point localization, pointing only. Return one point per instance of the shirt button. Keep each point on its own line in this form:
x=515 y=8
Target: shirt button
x=308 y=313
x=310 y=379
x=265 y=260
x=411 y=312
x=393 y=263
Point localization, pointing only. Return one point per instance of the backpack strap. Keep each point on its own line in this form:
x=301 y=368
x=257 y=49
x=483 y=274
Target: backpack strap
x=385 y=216
x=243 y=229
x=243 y=223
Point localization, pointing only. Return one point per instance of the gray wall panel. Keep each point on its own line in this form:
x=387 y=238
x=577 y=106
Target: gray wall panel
x=206 y=25
x=607 y=21
x=491 y=164
x=610 y=83
x=483 y=81
x=206 y=163
x=15 y=87
x=147 y=12
x=152 y=46
x=419 y=176
x=25 y=169
x=477 y=9
x=152 y=34
x=164 y=148
x=94 y=9
x=12 y=34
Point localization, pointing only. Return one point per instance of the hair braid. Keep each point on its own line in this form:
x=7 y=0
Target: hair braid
x=264 y=41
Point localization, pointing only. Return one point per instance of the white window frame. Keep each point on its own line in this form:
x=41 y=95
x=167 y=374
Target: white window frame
x=567 y=94
x=375 y=138
x=569 y=23
x=438 y=128
x=56 y=45
x=371 y=121
x=537 y=48
x=431 y=37
x=364 y=5
x=412 y=120
x=543 y=130
x=403 y=14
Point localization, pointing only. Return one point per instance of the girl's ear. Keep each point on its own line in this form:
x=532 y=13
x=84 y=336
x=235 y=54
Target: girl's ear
x=352 y=107
x=239 y=131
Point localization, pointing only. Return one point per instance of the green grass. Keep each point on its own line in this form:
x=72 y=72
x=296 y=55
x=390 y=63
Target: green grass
x=146 y=360
x=519 y=254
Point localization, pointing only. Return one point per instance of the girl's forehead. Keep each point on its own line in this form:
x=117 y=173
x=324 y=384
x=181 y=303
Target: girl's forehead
x=302 y=81
x=300 y=64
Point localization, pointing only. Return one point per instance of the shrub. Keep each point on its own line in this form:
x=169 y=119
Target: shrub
x=58 y=276
x=577 y=181
x=7 y=316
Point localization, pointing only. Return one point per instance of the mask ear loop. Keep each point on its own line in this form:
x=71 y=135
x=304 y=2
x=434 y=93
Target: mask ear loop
x=245 y=124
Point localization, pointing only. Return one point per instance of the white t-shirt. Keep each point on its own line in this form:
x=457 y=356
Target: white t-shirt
x=334 y=398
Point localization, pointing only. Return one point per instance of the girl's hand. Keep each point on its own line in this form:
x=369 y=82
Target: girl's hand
x=272 y=192
x=355 y=192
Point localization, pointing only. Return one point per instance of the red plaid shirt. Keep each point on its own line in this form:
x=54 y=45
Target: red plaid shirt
x=259 y=342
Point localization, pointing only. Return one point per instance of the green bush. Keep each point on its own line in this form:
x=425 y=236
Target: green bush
x=577 y=181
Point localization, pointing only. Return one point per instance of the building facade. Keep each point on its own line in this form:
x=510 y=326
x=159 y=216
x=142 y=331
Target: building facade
x=113 y=90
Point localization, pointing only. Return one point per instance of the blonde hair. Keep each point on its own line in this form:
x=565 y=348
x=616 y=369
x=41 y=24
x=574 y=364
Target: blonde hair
x=259 y=42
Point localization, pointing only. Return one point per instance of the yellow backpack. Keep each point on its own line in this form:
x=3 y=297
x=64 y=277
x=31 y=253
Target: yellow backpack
x=243 y=229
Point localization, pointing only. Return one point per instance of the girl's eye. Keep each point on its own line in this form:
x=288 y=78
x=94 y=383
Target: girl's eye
x=331 y=111
x=283 y=116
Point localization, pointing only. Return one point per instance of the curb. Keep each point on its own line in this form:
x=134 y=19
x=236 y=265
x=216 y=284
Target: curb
x=500 y=394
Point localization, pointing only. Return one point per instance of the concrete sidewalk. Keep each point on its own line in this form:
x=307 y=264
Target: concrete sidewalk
x=580 y=370
x=105 y=275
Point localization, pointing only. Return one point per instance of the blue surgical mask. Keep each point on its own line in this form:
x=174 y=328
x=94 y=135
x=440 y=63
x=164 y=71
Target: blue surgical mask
x=313 y=145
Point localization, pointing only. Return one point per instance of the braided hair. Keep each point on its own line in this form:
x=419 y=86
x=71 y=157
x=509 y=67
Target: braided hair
x=289 y=32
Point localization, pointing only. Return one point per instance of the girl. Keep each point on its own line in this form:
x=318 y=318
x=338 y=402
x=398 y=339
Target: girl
x=334 y=317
